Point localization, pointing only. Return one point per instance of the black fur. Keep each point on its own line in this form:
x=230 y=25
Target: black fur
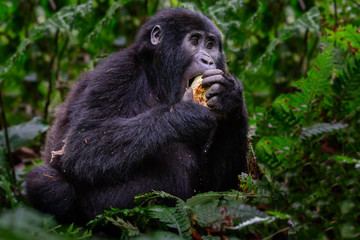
x=125 y=129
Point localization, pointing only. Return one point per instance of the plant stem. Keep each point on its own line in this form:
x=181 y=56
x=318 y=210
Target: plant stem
x=273 y=235
x=357 y=4
x=6 y=134
x=50 y=80
x=335 y=6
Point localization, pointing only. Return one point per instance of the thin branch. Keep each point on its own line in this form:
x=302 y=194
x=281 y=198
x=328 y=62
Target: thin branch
x=11 y=164
x=280 y=231
x=336 y=21
x=50 y=80
x=53 y=5
x=302 y=5
x=305 y=50
x=357 y=4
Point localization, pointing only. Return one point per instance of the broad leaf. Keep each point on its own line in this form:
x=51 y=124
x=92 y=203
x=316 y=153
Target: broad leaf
x=22 y=134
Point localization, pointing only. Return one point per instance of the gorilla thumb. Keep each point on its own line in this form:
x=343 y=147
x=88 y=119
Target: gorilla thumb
x=188 y=96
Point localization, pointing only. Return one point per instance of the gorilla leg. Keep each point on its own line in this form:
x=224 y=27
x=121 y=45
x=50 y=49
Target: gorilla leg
x=50 y=193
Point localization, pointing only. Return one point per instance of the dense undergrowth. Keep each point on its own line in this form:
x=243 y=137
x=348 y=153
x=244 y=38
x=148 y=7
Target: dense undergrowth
x=300 y=64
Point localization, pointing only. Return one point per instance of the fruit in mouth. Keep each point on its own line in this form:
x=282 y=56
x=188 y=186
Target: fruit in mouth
x=198 y=91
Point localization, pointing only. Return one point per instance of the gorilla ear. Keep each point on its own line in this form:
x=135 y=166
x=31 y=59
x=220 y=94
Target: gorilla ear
x=156 y=35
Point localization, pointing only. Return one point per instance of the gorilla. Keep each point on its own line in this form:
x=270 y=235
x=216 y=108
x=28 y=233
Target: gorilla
x=131 y=125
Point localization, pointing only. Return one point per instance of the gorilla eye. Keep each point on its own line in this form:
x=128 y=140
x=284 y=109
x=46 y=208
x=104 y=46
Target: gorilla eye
x=194 y=40
x=209 y=45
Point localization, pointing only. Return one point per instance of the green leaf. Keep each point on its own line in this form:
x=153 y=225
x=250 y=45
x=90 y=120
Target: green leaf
x=273 y=151
x=348 y=37
x=6 y=186
x=231 y=212
x=348 y=84
x=209 y=197
x=278 y=214
x=22 y=134
x=348 y=230
x=159 y=235
x=130 y=229
x=149 y=198
x=321 y=128
x=170 y=217
x=25 y=224
x=345 y=159
x=108 y=16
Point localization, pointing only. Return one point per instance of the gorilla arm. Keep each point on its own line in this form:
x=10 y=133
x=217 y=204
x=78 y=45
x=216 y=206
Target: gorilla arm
x=226 y=156
x=109 y=150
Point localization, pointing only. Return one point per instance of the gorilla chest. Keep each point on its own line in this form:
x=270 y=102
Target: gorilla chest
x=173 y=158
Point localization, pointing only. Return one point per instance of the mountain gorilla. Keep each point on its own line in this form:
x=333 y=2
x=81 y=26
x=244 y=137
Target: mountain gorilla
x=131 y=125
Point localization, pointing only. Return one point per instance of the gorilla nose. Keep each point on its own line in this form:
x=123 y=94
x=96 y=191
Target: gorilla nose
x=206 y=60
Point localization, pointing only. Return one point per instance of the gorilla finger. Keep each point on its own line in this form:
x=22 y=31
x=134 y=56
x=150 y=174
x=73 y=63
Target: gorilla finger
x=213 y=90
x=208 y=81
x=212 y=72
x=188 y=95
x=212 y=103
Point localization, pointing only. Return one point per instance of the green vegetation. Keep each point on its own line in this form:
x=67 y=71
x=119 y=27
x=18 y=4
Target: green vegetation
x=300 y=64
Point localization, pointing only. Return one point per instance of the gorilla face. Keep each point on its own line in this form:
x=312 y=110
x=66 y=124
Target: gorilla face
x=203 y=48
x=200 y=50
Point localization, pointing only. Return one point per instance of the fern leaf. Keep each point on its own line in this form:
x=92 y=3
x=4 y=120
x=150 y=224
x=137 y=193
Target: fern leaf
x=245 y=215
x=321 y=128
x=317 y=82
x=159 y=235
x=273 y=151
x=345 y=159
x=348 y=37
x=348 y=85
x=231 y=215
x=152 y=197
x=126 y=226
x=170 y=217
x=208 y=197
x=108 y=16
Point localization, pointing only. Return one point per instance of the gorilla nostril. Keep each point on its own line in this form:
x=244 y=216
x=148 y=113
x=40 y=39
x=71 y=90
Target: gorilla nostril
x=203 y=60
x=207 y=60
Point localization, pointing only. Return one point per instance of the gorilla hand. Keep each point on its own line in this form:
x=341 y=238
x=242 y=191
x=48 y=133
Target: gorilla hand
x=224 y=94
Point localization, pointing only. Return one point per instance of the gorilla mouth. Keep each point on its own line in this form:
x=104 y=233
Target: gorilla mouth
x=191 y=80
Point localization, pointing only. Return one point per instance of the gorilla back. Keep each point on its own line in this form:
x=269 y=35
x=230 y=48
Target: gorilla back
x=131 y=125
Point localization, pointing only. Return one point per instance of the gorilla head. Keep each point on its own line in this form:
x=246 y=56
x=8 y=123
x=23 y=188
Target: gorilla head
x=131 y=125
x=180 y=45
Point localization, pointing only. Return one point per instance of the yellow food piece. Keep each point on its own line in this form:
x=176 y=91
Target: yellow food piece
x=198 y=91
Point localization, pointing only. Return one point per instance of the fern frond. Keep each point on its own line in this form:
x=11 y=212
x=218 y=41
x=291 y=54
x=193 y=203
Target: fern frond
x=171 y=217
x=348 y=37
x=208 y=197
x=152 y=197
x=348 y=85
x=245 y=215
x=126 y=226
x=273 y=151
x=345 y=159
x=317 y=82
x=108 y=16
x=231 y=215
x=321 y=128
